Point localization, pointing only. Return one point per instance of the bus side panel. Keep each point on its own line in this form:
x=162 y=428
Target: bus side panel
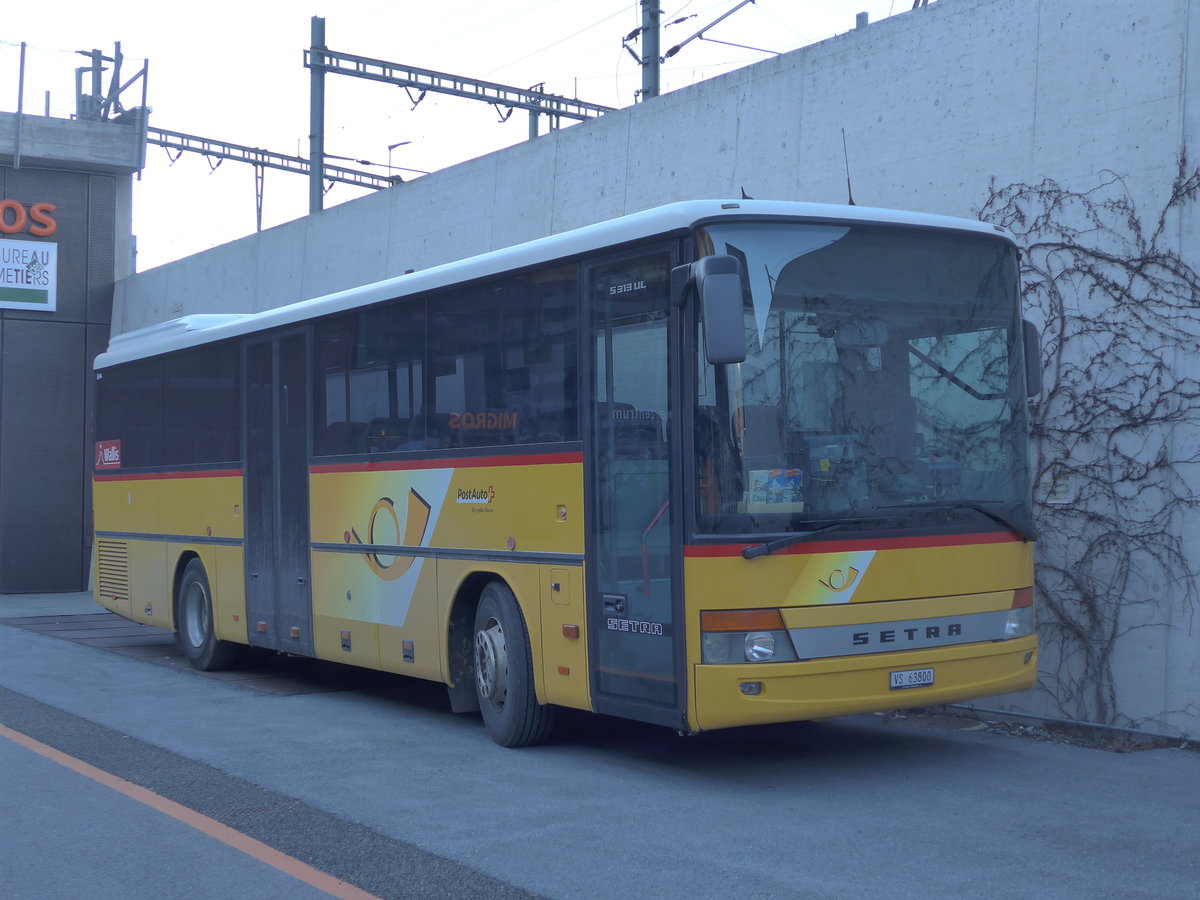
x=135 y=575
x=346 y=607
x=111 y=562
x=564 y=637
x=491 y=506
x=149 y=583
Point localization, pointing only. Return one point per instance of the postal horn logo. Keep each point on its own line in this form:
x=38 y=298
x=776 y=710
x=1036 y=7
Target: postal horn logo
x=414 y=530
x=840 y=579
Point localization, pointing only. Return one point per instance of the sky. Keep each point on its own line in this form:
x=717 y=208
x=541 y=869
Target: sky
x=234 y=71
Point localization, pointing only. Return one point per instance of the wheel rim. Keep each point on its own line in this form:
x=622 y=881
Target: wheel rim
x=491 y=663
x=195 y=615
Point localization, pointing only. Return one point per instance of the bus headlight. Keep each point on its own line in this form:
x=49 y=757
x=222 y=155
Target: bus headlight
x=718 y=648
x=1020 y=623
x=760 y=646
x=739 y=636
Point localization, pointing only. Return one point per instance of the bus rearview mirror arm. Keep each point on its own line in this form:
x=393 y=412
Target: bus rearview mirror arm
x=717 y=283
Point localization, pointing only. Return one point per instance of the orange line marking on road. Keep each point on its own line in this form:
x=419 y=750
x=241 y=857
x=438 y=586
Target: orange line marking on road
x=232 y=837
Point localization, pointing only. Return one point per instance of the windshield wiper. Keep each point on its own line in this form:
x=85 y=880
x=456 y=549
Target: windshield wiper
x=976 y=505
x=769 y=547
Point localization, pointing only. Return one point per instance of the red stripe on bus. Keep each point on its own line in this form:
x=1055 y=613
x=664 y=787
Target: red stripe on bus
x=467 y=462
x=162 y=476
x=712 y=551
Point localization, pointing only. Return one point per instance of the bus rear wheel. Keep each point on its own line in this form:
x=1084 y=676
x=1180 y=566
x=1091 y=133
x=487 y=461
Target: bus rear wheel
x=504 y=672
x=194 y=632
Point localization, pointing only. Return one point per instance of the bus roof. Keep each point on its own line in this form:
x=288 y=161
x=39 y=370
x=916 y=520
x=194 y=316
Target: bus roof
x=188 y=331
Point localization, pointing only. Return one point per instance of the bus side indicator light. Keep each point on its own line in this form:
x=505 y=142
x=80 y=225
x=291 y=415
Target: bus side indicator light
x=564 y=670
x=262 y=627
x=294 y=632
x=571 y=632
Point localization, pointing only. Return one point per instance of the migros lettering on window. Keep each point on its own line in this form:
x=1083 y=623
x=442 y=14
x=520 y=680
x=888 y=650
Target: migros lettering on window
x=15 y=218
x=482 y=420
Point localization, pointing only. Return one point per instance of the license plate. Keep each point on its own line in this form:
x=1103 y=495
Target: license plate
x=911 y=678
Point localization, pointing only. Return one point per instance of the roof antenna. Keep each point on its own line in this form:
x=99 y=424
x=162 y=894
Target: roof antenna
x=846 y=156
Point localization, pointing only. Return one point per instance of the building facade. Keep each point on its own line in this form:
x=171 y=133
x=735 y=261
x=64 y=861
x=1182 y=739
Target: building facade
x=65 y=238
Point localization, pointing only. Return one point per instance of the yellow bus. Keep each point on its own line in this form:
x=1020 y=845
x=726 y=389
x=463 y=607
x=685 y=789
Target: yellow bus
x=714 y=464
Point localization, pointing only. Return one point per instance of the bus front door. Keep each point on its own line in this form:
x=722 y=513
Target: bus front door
x=278 y=596
x=633 y=612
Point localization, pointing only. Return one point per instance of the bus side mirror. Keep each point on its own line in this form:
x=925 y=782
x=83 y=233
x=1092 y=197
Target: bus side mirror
x=717 y=281
x=1033 y=358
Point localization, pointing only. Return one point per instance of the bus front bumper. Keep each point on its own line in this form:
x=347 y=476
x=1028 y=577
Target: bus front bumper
x=758 y=694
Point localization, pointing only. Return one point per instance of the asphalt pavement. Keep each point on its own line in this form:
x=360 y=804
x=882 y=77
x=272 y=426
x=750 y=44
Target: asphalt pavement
x=371 y=782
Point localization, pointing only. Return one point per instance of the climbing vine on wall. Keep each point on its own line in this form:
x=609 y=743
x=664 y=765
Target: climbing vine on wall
x=1116 y=430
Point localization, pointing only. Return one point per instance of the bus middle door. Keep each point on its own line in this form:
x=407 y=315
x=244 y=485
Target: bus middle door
x=278 y=593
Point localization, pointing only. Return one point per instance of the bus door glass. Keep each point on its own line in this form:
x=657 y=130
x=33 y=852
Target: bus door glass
x=278 y=598
x=635 y=630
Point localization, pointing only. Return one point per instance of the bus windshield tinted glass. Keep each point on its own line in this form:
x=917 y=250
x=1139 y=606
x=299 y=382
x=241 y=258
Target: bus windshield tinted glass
x=883 y=379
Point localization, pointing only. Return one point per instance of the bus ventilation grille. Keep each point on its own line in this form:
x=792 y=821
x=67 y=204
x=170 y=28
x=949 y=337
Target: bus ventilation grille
x=113 y=574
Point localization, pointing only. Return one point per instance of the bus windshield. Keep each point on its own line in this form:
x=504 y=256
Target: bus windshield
x=884 y=380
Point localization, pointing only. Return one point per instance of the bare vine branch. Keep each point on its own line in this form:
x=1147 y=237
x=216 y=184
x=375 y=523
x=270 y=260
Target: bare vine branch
x=1114 y=476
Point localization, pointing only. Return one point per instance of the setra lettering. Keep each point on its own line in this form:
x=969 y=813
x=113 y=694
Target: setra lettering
x=905 y=635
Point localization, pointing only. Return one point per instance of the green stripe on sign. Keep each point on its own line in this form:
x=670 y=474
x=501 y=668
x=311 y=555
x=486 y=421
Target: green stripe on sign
x=23 y=295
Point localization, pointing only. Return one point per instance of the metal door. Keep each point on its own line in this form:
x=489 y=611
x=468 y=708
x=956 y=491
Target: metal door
x=634 y=624
x=278 y=597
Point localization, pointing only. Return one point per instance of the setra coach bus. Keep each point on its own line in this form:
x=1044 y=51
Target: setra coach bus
x=709 y=465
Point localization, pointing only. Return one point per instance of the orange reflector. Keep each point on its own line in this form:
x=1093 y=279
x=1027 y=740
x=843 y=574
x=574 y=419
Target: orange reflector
x=564 y=670
x=1022 y=597
x=741 y=620
x=571 y=631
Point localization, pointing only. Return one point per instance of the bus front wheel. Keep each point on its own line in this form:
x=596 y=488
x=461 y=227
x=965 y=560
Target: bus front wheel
x=194 y=632
x=504 y=672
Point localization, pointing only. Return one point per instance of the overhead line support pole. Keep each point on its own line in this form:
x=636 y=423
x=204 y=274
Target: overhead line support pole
x=650 y=42
x=316 y=113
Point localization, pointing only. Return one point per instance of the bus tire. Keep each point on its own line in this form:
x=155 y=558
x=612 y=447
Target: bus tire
x=194 y=633
x=504 y=672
